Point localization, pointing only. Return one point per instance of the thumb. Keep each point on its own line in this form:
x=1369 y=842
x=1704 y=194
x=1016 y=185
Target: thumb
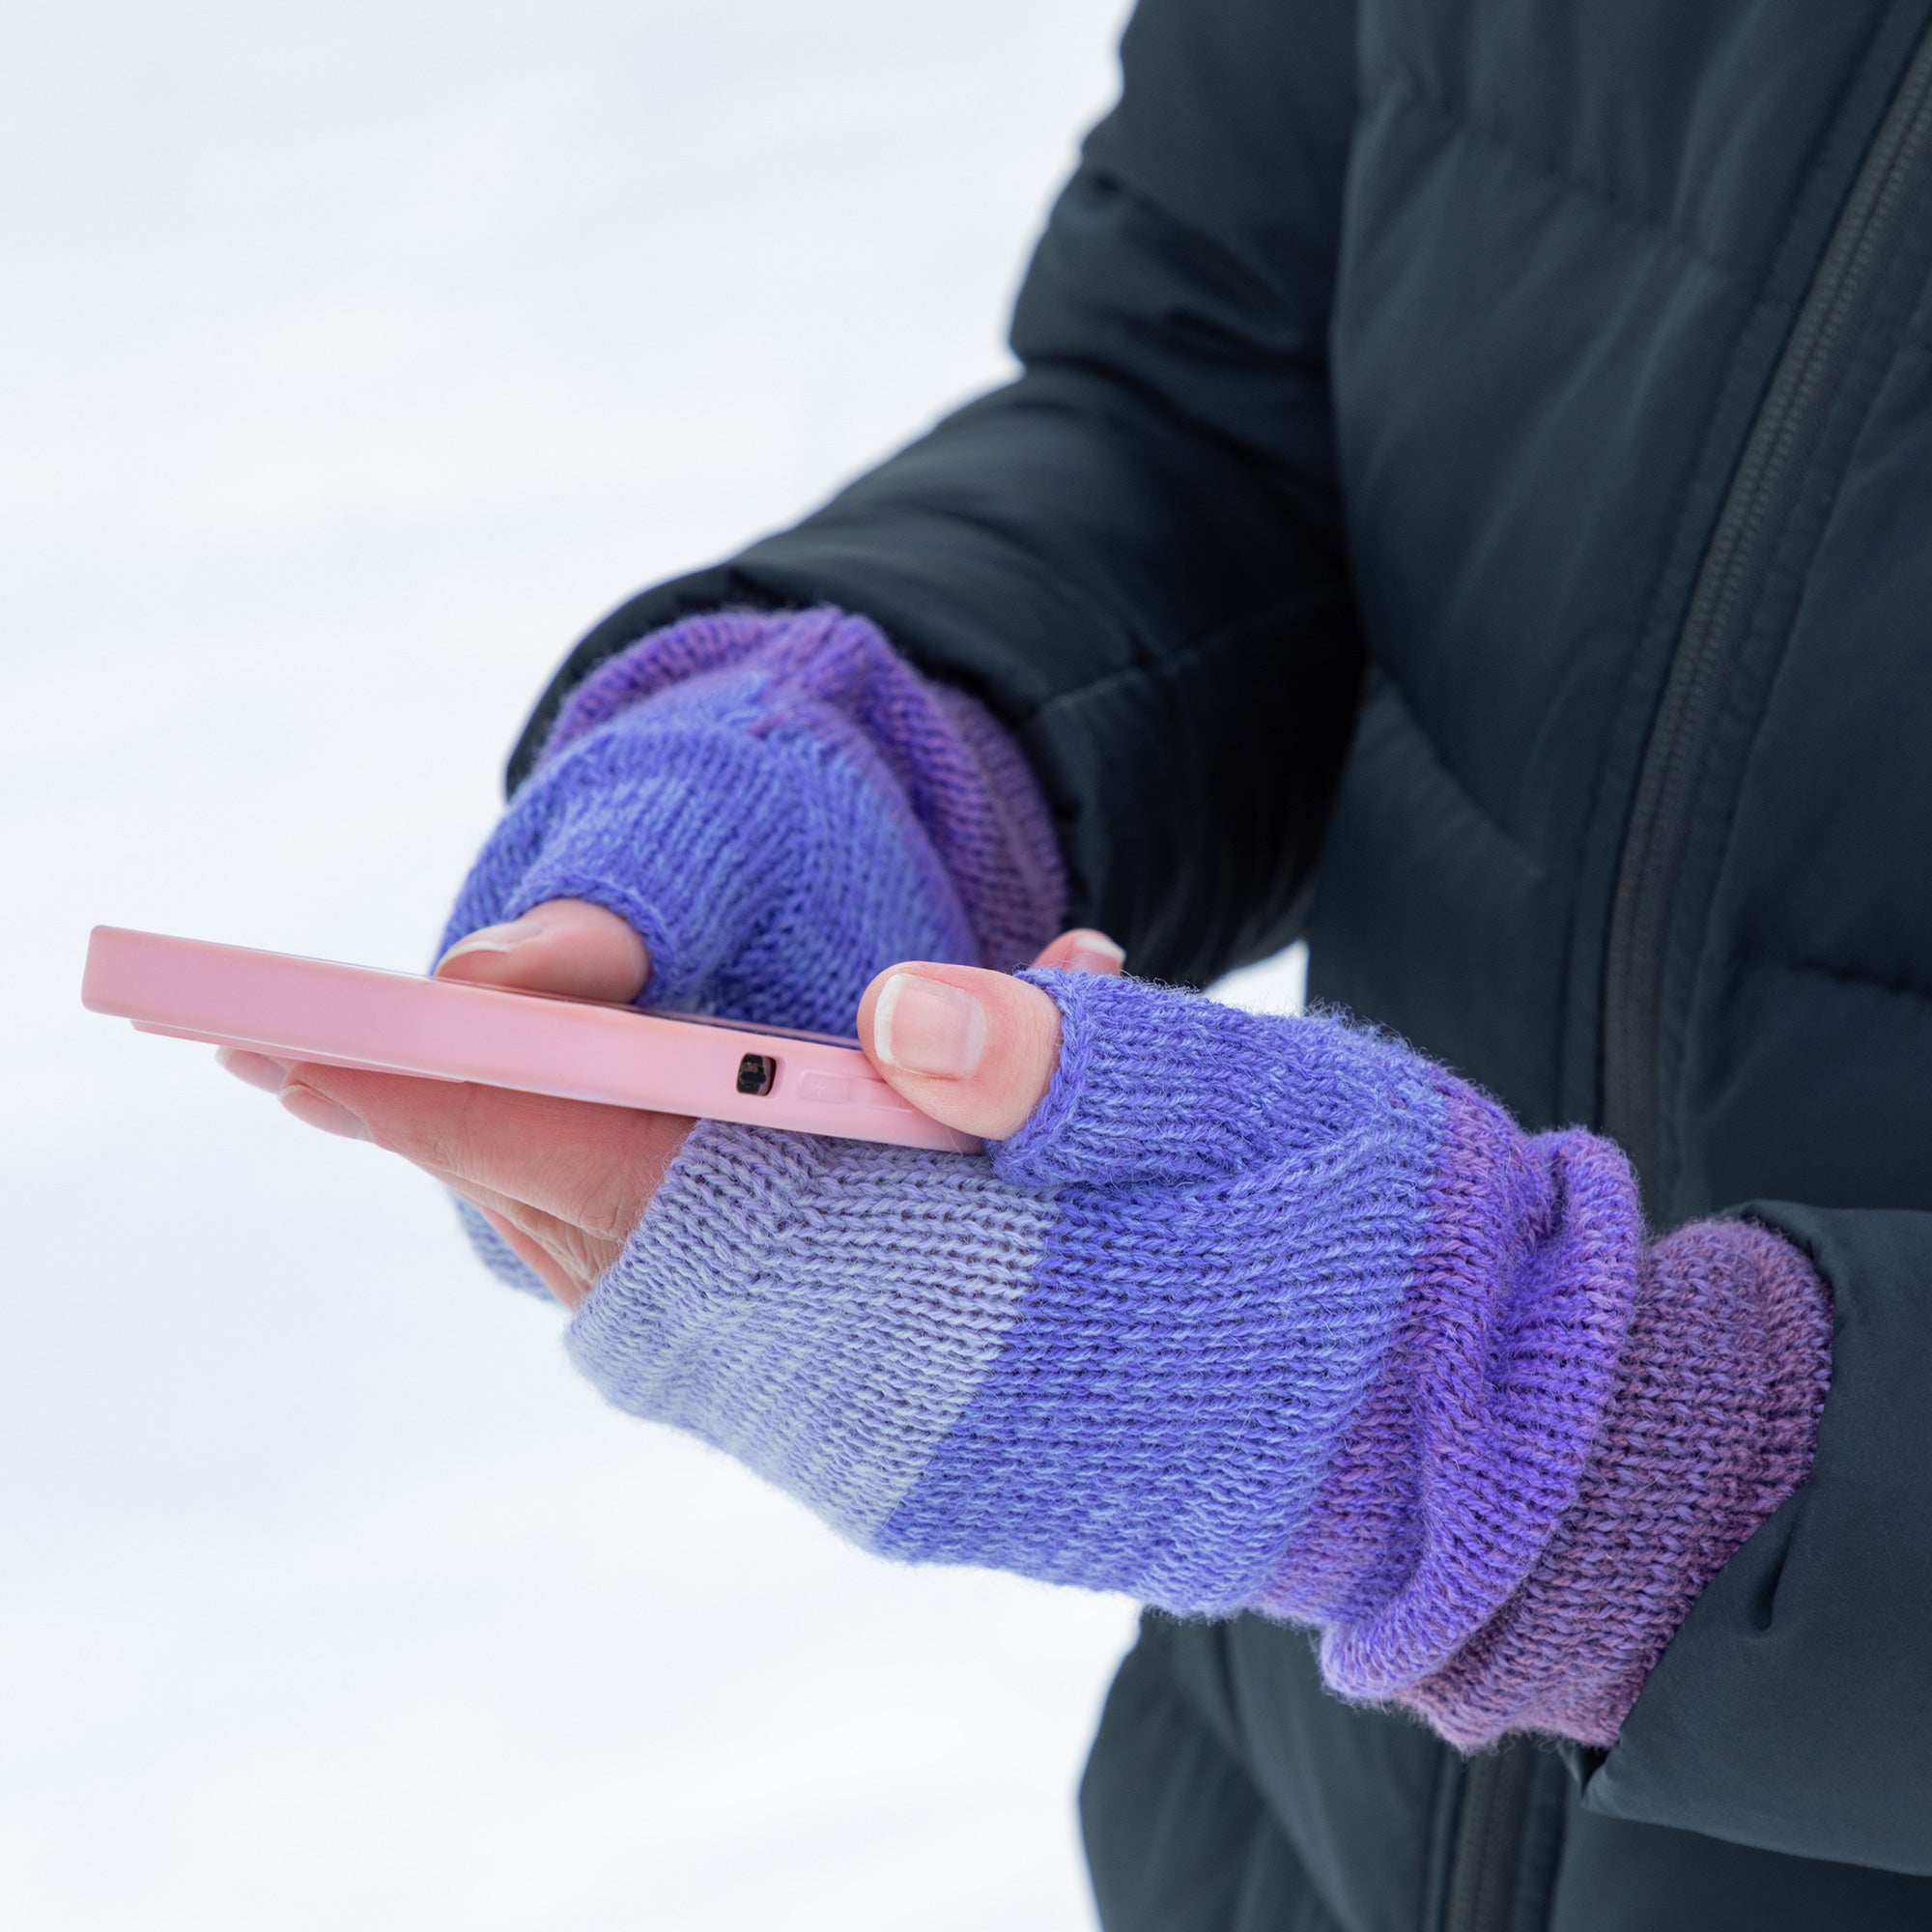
x=563 y=945
x=976 y=1051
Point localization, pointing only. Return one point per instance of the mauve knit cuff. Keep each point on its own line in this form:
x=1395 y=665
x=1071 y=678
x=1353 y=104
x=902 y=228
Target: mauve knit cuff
x=1565 y=1444
x=962 y=778
x=1710 y=1427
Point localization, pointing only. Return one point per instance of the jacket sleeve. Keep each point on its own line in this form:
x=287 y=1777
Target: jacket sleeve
x=1791 y=1709
x=1131 y=553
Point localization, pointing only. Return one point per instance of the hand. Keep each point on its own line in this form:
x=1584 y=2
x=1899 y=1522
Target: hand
x=1252 y=1314
x=564 y=1182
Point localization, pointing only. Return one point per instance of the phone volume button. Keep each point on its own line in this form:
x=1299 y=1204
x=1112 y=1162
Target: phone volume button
x=825 y=1087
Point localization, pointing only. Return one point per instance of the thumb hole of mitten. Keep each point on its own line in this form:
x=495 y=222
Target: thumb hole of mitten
x=976 y=1051
x=563 y=945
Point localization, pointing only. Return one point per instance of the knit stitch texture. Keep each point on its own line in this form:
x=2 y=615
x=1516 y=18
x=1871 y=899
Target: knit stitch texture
x=1254 y=1312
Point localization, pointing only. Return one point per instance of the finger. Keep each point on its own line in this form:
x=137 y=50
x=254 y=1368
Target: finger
x=533 y=1254
x=973 y=1049
x=570 y=1260
x=592 y=1167
x=255 y=1070
x=1084 y=950
x=564 y=946
x=540 y=1242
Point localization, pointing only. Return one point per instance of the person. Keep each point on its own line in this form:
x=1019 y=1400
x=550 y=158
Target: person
x=1488 y=446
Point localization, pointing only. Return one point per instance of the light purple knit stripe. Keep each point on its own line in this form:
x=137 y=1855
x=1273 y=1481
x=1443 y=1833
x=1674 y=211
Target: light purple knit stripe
x=822 y=1310
x=952 y=767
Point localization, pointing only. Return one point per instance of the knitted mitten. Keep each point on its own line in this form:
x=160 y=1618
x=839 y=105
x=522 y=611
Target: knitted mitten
x=1254 y=1312
x=779 y=807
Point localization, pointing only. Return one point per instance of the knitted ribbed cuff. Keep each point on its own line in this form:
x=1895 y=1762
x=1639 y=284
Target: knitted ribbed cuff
x=1709 y=1427
x=1159 y=1088
x=1567 y=1440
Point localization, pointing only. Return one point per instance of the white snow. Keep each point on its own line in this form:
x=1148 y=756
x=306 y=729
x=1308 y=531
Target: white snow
x=357 y=356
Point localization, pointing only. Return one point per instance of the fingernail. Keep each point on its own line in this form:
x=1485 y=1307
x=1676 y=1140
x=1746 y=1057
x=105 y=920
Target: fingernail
x=318 y=1110
x=924 y=1026
x=504 y=938
x=256 y=1069
x=1096 y=953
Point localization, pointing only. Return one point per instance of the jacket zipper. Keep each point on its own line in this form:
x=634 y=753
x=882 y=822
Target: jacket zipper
x=1749 y=527
x=1485 y=1867
x=1486 y=1871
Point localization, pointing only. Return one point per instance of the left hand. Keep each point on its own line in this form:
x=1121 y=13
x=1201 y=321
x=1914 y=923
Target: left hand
x=564 y=1182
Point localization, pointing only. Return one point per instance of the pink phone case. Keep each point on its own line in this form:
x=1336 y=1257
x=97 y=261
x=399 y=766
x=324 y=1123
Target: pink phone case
x=278 y=1004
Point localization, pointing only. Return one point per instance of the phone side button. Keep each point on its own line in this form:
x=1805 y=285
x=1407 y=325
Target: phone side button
x=826 y=1087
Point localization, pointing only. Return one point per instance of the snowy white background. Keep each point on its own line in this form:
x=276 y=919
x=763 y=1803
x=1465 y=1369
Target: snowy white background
x=355 y=358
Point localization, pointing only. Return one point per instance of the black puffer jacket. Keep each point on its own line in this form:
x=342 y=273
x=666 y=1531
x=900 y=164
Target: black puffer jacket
x=1500 y=432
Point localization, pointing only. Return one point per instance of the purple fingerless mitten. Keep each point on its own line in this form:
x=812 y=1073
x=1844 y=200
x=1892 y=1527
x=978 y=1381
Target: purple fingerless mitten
x=781 y=806
x=1254 y=1312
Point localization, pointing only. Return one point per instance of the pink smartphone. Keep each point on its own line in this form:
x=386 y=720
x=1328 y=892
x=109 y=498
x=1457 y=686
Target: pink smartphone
x=296 y=1009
